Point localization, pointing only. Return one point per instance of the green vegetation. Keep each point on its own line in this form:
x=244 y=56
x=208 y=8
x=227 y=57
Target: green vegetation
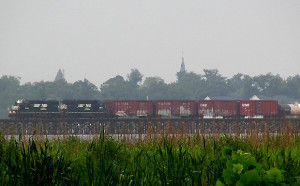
x=189 y=85
x=169 y=160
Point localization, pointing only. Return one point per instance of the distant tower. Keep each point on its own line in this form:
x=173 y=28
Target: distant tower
x=182 y=67
x=182 y=71
x=60 y=75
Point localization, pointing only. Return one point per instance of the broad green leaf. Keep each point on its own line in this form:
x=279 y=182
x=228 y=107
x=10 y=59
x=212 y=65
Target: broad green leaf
x=238 y=168
x=250 y=178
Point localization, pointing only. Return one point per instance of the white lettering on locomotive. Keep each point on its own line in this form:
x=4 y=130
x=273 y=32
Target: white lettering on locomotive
x=44 y=105
x=36 y=105
x=84 y=105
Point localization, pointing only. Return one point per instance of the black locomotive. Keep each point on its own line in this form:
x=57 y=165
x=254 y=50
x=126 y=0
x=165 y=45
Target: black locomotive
x=55 y=109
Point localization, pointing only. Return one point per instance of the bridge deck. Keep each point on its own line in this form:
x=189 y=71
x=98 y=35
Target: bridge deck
x=146 y=126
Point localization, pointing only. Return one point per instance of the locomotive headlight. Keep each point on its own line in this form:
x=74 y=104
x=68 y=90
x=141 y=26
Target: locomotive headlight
x=20 y=101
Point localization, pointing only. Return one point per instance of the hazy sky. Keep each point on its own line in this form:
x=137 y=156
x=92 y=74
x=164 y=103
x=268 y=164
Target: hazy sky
x=97 y=39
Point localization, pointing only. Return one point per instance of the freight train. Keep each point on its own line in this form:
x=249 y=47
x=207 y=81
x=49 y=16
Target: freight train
x=202 y=109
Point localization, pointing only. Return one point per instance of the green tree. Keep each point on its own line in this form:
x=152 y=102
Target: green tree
x=154 y=88
x=190 y=85
x=248 y=89
x=235 y=85
x=241 y=87
x=111 y=89
x=118 y=88
x=85 y=90
x=293 y=86
x=175 y=92
x=180 y=74
x=215 y=84
x=9 y=92
x=135 y=76
x=269 y=85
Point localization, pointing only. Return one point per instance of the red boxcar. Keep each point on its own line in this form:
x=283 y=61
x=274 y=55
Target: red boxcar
x=258 y=108
x=217 y=108
x=226 y=108
x=123 y=108
x=175 y=108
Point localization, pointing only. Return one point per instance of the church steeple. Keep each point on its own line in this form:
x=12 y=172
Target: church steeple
x=182 y=67
x=60 y=75
x=182 y=71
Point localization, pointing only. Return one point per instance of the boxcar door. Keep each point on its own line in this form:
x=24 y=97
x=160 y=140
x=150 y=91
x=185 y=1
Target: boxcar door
x=259 y=108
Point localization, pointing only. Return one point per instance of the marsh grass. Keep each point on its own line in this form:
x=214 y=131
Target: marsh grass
x=173 y=158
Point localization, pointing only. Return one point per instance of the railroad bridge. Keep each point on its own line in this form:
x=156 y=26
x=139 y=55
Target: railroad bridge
x=155 y=126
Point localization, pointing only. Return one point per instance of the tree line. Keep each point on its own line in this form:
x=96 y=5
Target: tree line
x=189 y=86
